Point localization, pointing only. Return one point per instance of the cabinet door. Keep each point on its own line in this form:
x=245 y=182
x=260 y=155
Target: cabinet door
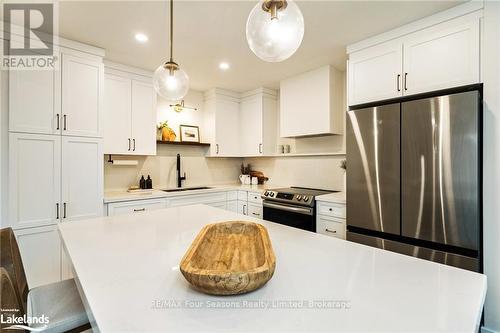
x=143 y=118
x=251 y=127
x=255 y=210
x=374 y=73
x=232 y=206
x=40 y=113
x=34 y=179
x=242 y=207
x=441 y=57
x=330 y=226
x=117 y=114
x=227 y=129
x=82 y=81
x=41 y=254
x=82 y=178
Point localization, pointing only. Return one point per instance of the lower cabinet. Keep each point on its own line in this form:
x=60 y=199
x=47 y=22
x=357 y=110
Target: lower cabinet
x=130 y=207
x=255 y=210
x=232 y=206
x=242 y=207
x=331 y=219
x=41 y=254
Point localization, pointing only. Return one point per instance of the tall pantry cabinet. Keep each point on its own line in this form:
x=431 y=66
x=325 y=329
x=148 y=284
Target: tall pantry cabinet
x=55 y=156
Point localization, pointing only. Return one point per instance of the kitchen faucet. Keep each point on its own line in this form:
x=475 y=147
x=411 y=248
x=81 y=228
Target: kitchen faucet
x=179 y=178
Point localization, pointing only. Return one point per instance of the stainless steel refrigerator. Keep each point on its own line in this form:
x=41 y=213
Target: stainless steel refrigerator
x=413 y=177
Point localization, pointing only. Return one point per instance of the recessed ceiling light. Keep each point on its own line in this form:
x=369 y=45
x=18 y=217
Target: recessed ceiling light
x=224 y=66
x=141 y=37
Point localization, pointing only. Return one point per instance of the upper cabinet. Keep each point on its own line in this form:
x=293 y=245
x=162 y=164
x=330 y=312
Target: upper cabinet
x=312 y=103
x=221 y=122
x=81 y=96
x=375 y=73
x=66 y=100
x=442 y=56
x=258 y=122
x=129 y=112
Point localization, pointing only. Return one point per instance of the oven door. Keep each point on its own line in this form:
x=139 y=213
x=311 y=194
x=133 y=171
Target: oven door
x=290 y=215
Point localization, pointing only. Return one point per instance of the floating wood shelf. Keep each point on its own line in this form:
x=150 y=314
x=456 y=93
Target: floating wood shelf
x=199 y=144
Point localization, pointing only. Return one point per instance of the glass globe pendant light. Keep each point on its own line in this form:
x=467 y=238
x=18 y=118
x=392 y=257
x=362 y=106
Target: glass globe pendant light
x=169 y=80
x=275 y=29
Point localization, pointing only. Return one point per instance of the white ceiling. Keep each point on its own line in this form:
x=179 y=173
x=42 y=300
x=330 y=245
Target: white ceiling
x=208 y=32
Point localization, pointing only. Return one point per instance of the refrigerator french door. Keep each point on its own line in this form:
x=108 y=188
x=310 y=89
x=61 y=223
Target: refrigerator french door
x=413 y=179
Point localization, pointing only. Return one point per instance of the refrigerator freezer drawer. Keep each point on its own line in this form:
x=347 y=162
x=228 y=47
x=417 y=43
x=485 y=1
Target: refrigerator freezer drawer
x=451 y=259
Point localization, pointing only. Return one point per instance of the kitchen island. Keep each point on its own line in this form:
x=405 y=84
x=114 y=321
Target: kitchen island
x=127 y=271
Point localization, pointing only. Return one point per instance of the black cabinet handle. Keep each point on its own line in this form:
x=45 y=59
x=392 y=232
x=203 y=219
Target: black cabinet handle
x=331 y=231
x=134 y=144
x=57 y=211
x=260 y=148
x=58 y=121
x=128 y=144
x=216 y=148
x=64 y=210
x=139 y=209
x=397 y=79
x=64 y=122
x=406 y=79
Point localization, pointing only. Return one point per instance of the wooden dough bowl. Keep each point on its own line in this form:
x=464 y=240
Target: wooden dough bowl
x=229 y=258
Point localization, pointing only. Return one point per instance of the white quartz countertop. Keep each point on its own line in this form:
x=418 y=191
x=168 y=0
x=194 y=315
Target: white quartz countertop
x=117 y=196
x=337 y=197
x=127 y=270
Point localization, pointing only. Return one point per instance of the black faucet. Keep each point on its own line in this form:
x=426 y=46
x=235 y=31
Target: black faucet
x=179 y=178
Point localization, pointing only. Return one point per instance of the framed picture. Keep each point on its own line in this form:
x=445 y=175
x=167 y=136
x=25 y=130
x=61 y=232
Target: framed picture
x=189 y=133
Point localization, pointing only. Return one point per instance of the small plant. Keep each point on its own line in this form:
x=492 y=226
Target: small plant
x=343 y=165
x=163 y=125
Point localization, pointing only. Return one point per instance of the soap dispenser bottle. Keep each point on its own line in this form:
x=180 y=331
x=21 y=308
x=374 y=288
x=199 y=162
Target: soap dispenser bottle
x=142 y=183
x=149 y=183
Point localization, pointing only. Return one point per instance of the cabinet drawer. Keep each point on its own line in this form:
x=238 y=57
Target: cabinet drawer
x=330 y=227
x=232 y=195
x=331 y=209
x=222 y=205
x=242 y=195
x=254 y=197
x=130 y=207
x=195 y=199
x=255 y=210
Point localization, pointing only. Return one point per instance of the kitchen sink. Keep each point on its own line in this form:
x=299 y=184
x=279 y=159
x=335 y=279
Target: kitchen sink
x=187 y=189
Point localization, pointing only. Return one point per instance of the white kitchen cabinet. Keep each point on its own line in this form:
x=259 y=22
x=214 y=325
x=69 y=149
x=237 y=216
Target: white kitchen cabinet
x=34 y=179
x=331 y=227
x=82 y=85
x=375 y=73
x=255 y=210
x=82 y=178
x=330 y=209
x=242 y=207
x=117 y=114
x=232 y=206
x=136 y=206
x=129 y=113
x=143 y=118
x=221 y=205
x=258 y=122
x=255 y=197
x=194 y=199
x=41 y=112
x=221 y=122
x=40 y=250
x=312 y=103
x=443 y=56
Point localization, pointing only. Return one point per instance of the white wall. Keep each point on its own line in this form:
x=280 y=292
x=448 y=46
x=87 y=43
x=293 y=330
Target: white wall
x=491 y=160
x=4 y=148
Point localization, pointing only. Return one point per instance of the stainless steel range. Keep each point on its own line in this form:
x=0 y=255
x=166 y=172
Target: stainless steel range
x=293 y=206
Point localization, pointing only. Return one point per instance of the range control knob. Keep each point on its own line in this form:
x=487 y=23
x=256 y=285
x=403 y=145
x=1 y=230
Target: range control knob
x=299 y=197
x=266 y=193
x=306 y=198
x=272 y=194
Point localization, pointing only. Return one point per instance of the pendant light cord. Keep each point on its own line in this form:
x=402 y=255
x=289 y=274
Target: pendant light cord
x=171 y=29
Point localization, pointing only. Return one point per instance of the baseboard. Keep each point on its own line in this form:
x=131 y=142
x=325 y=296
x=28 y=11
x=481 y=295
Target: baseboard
x=487 y=330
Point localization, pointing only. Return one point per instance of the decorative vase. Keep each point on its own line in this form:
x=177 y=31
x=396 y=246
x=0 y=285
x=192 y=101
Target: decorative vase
x=167 y=134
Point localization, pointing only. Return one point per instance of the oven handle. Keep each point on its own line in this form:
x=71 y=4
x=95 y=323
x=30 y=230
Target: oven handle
x=300 y=210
